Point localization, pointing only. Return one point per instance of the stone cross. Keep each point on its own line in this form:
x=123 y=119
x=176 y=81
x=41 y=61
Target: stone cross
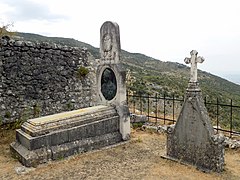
x=194 y=60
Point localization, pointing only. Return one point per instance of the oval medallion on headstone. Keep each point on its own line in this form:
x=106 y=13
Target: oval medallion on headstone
x=108 y=84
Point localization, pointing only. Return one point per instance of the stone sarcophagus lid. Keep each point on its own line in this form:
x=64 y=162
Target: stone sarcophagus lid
x=64 y=134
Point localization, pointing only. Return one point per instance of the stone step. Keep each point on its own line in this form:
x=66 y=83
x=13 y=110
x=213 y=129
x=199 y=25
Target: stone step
x=44 y=125
x=60 y=136
x=44 y=154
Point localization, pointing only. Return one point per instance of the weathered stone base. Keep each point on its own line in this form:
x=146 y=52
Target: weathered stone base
x=206 y=158
x=192 y=140
x=64 y=134
x=184 y=163
x=42 y=155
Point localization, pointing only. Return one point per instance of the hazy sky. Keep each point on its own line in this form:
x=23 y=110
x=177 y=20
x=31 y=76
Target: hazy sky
x=163 y=29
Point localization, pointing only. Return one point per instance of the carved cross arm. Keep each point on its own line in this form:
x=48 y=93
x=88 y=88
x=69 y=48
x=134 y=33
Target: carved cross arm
x=187 y=60
x=200 y=59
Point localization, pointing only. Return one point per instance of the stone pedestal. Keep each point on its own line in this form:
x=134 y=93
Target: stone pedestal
x=192 y=140
x=57 y=136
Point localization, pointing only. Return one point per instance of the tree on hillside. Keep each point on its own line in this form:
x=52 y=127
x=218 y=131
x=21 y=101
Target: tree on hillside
x=6 y=31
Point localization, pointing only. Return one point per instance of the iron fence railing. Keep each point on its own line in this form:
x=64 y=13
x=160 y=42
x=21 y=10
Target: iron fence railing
x=165 y=110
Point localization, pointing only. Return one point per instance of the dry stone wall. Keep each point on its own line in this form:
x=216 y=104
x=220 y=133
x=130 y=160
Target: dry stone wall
x=41 y=79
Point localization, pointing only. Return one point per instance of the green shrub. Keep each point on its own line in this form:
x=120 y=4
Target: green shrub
x=25 y=114
x=7 y=114
x=82 y=72
x=137 y=125
x=36 y=110
x=17 y=124
x=70 y=106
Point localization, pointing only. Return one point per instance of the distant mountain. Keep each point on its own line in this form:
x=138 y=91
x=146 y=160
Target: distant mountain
x=58 y=40
x=233 y=77
x=149 y=75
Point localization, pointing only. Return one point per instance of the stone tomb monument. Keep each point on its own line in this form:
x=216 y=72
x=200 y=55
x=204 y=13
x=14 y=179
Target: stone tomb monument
x=192 y=140
x=64 y=134
x=111 y=76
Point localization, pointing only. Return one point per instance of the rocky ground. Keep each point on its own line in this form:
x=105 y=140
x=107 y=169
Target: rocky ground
x=137 y=159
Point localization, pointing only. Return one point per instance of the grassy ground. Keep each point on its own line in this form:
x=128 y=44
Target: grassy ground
x=139 y=158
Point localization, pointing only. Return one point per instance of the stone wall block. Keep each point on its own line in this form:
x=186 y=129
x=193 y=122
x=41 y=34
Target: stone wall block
x=42 y=79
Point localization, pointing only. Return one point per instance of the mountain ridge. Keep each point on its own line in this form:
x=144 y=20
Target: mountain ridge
x=149 y=75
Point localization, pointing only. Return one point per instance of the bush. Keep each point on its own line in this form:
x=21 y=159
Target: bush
x=82 y=72
x=36 y=110
x=137 y=125
x=7 y=114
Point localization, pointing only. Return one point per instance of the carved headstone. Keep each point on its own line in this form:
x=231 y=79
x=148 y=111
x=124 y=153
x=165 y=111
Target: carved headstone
x=111 y=75
x=192 y=140
x=110 y=42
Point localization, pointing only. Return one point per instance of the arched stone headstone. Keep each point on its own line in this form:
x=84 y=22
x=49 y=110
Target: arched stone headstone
x=111 y=75
x=110 y=47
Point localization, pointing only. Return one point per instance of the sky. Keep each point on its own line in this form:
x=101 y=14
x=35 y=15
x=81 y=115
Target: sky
x=163 y=29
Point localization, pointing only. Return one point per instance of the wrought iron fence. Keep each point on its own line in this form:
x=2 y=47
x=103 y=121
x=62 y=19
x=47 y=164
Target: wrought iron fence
x=165 y=110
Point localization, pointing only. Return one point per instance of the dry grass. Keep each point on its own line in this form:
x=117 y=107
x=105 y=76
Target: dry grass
x=137 y=159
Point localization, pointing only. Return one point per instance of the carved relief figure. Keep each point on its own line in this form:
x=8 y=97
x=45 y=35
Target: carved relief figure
x=107 y=46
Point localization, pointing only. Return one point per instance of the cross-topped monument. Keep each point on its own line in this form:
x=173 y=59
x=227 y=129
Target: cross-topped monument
x=192 y=140
x=194 y=60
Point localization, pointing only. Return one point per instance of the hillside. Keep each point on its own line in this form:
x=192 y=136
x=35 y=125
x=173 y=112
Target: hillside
x=149 y=75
